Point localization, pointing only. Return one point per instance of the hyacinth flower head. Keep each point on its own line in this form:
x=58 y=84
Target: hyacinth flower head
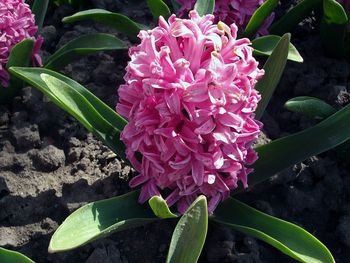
x=16 y=24
x=232 y=11
x=189 y=98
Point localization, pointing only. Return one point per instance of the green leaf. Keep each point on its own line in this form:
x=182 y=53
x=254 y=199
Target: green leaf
x=310 y=106
x=119 y=22
x=265 y=45
x=83 y=45
x=158 y=8
x=39 y=9
x=160 y=208
x=259 y=17
x=274 y=68
x=9 y=256
x=190 y=232
x=334 y=28
x=100 y=219
x=90 y=111
x=297 y=147
x=204 y=7
x=20 y=55
x=294 y=17
x=290 y=239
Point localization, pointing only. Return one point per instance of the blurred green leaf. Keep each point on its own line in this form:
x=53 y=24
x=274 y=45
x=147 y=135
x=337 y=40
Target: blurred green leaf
x=294 y=17
x=20 y=55
x=158 y=8
x=274 y=68
x=121 y=23
x=204 y=7
x=334 y=28
x=290 y=239
x=160 y=208
x=96 y=116
x=83 y=45
x=310 y=106
x=39 y=9
x=176 y=6
x=100 y=219
x=259 y=17
x=9 y=256
x=297 y=147
x=265 y=45
x=190 y=232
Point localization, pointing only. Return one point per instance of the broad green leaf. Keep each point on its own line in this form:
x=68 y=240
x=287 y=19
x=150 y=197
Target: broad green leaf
x=294 y=17
x=83 y=45
x=20 y=55
x=119 y=22
x=310 y=106
x=334 y=28
x=158 y=8
x=274 y=68
x=259 y=17
x=96 y=116
x=265 y=45
x=204 y=7
x=190 y=233
x=9 y=256
x=100 y=219
x=39 y=9
x=160 y=208
x=285 y=152
x=290 y=239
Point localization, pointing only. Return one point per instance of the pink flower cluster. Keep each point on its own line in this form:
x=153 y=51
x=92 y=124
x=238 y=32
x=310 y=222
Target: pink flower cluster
x=189 y=97
x=232 y=11
x=16 y=24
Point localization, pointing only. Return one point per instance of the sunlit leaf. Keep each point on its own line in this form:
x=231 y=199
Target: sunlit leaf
x=100 y=219
x=259 y=17
x=310 y=106
x=265 y=45
x=160 y=208
x=121 y=23
x=287 y=237
x=83 y=45
x=158 y=8
x=204 y=7
x=190 y=233
x=9 y=256
x=274 y=68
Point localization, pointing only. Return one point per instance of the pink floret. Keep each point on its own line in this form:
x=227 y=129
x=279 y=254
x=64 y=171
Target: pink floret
x=232 y=11
x=189 y=98
x=16 y=24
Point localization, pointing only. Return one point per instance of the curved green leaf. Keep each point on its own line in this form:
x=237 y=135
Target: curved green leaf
x=158 y=8
x=274 y=68
x=160 y=208
x=259 y=17
x=83 y=45
x=96 y=116
x=100 y=219
x=39 y=9
x=265 y=45
x=20 y=55
x=310 y=106
x=334 y=28
x=297 y=147
x=204 y=7
x=294 y=17
x=189 y=235
x=290 y=239
x=9 y=256
x=119 y=22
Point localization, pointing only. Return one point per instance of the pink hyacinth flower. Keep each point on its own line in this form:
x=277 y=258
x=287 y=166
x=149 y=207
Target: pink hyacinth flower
x=232 y=11
x=189 y=97
x=16 y=24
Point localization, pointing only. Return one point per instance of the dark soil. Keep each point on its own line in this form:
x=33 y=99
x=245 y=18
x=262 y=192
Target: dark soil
x=50 y=165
